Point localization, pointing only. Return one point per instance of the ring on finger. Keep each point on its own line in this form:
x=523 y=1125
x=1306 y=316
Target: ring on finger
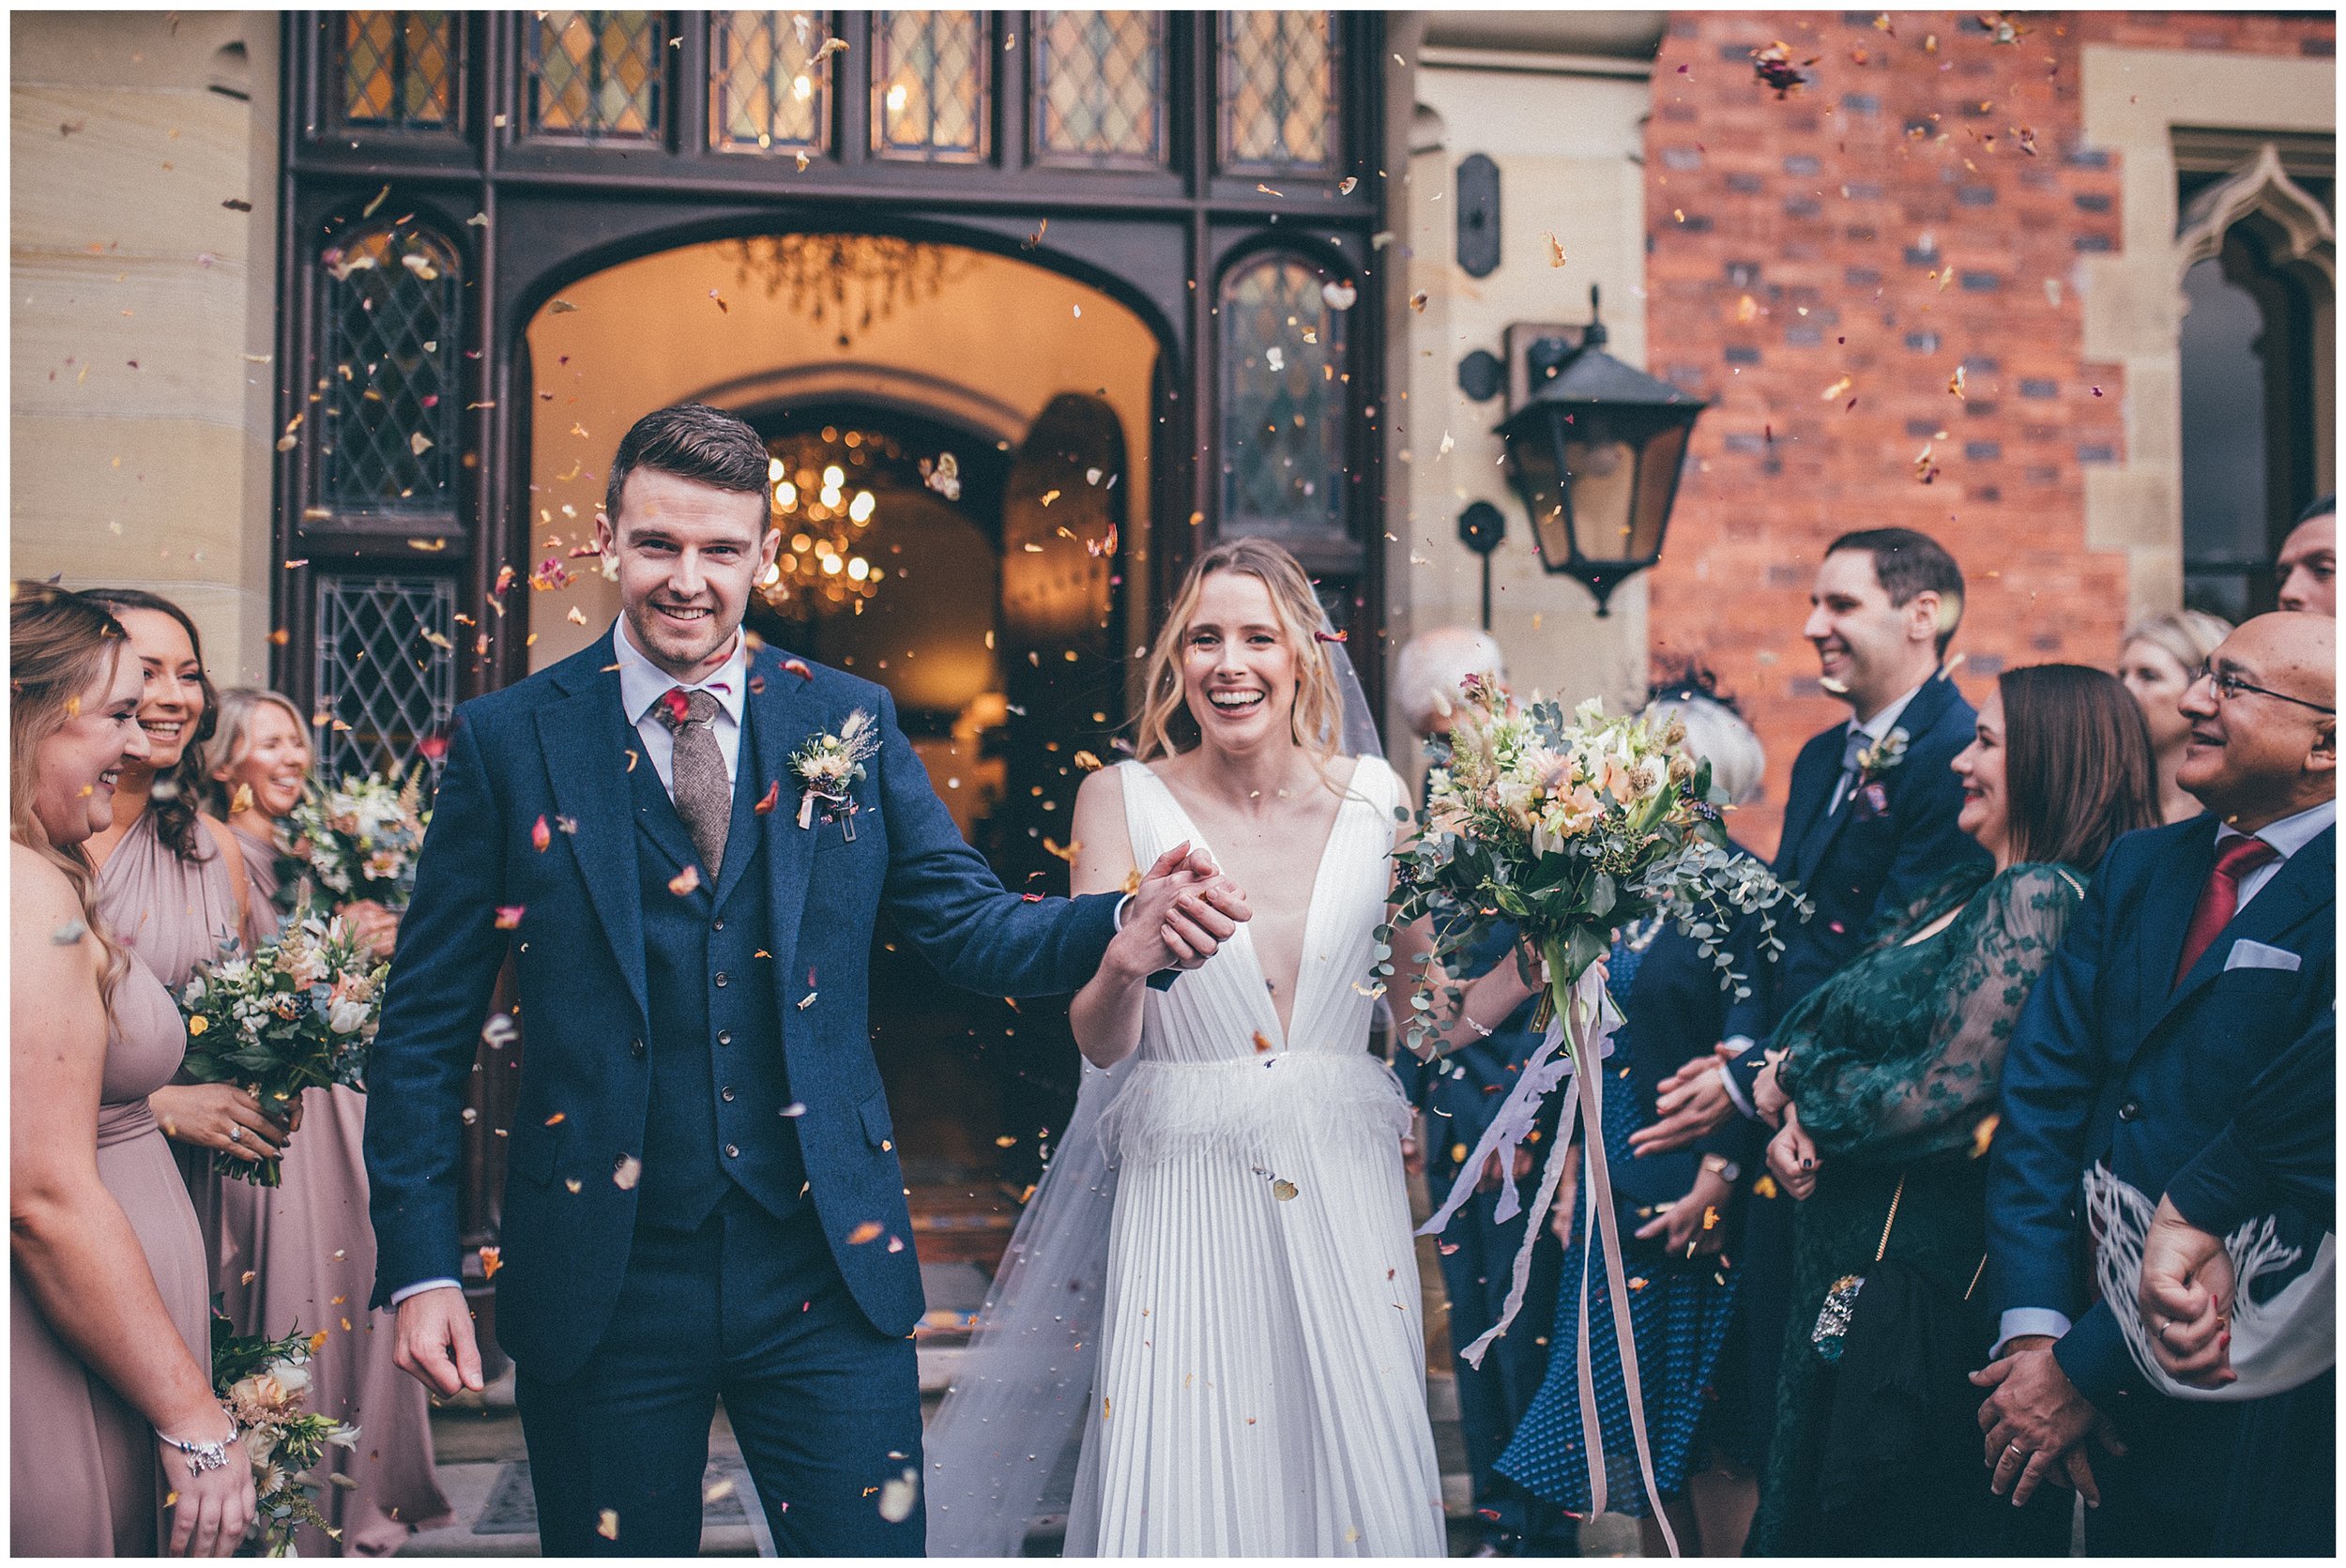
x=235 y=1135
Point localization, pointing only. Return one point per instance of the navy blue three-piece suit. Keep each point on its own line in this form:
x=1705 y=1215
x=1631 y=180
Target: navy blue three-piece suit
x=703 y=1198
x=2218 y=1091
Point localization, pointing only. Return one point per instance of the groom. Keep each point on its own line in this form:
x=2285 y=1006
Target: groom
x=703 y=1197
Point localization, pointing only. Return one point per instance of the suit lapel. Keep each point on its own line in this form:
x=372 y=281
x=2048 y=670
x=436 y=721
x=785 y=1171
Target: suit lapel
x=2295 y=890
x=782 y=714
x=585 y=739
x=2165 y=914
x=741 y=834
x=1929 y=706
x=1809 y=795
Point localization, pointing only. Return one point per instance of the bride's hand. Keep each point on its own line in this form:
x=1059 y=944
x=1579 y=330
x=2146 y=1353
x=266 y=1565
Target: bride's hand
x=1184 y=910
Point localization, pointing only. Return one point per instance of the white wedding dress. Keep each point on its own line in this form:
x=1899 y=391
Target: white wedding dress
x=1260 y=1383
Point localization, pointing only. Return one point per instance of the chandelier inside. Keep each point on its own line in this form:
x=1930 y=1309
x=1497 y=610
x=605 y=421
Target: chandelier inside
x=822 y=503
x=847 y=282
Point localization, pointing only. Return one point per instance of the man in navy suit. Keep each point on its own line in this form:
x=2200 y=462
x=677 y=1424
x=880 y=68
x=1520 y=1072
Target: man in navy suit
x=2204 y=956
x=703 y=1197
x=1869 y=827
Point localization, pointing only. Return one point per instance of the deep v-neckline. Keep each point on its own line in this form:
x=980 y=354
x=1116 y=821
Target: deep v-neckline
x=1311 y=910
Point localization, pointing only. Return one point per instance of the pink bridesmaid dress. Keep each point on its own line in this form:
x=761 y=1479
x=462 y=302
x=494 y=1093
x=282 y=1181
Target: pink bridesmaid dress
x=84 y=1477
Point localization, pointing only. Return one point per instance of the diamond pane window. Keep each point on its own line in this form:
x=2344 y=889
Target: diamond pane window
x=1278 y=91
x=396 y=70
x=1100 y=87
x=382 y=687
x=392 y=301
x=1283 y=405
x=929 y=86
x=595 y=74
x=769 y=83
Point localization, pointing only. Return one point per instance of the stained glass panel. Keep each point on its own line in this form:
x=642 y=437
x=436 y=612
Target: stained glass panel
x=396 y=70
x=382 y=687
x=1278 y=91
x=1283 y=402
x=929 y=72
x=769 y=82
x=392 y=302
x=595 y=73
x=1100 y=87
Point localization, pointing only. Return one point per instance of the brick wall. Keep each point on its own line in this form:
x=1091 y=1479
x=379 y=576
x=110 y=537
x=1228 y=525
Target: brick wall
x=1820 y=266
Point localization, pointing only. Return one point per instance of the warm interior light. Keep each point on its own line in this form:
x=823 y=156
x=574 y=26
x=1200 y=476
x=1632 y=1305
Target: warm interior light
x=859 y=510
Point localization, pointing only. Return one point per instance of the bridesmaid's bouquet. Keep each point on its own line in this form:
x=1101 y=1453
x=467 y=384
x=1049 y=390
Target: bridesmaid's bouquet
x=262 y=1384
x=1570 y=831
x=297 y=1014
x=361 y=839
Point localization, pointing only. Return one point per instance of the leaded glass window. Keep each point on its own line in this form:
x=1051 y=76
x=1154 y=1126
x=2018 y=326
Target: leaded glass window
x=1282 y=400
x=1278 y=91
x=392 y=300
x=384 y=687
x=769 y=81
x=395 y=70
x=1100 y=87
x=595 y=73
x=929 y=80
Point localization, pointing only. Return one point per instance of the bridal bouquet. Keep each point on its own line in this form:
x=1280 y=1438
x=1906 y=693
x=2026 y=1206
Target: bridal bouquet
x=361 y=839
x=262 y=1384
x=297 y=1014
x=1570 y=831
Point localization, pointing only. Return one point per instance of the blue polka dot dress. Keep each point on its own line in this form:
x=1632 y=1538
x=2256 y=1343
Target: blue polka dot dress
x=1678 y=1317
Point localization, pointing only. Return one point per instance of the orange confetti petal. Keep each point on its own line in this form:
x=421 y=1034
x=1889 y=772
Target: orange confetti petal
x=510 y=916
x=868 y=1231
x=541 y=836
x=685 y=881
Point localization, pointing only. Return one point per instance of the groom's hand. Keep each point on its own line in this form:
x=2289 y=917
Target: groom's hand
x=436 y=1344
x=1184 y=910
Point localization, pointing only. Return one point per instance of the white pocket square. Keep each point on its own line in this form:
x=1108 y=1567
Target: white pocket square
x=2246 y=954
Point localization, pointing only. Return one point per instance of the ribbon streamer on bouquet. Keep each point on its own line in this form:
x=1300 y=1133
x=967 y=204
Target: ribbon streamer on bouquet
x=1589 y=1017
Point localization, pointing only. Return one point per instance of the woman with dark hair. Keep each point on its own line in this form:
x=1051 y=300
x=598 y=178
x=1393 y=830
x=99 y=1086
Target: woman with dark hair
x=112 y=1419
x=1885 y=1083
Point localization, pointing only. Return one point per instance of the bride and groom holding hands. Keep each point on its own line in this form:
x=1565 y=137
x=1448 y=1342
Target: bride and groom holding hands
x=1204 y=1337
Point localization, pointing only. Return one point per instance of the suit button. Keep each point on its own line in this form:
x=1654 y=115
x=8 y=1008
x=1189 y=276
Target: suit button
x=725 y=1094
x=635 y=1048
x=717 y=924
x=724 y=1037
x=2129 y=1112
x=721 y=979
x=733 y=1151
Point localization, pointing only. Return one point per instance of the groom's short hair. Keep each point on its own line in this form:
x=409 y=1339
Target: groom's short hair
x=1907 y=562
x=692 y=441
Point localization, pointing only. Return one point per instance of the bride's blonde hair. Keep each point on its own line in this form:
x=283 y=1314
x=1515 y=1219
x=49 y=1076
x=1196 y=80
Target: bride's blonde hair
x=1167 y=726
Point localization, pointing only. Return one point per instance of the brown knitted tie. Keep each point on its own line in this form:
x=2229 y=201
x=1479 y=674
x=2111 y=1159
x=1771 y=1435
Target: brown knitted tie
x=697 y=782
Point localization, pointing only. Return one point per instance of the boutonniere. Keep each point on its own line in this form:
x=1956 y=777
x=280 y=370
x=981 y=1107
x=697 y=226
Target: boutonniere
x=1874 y=764
x=829 y=767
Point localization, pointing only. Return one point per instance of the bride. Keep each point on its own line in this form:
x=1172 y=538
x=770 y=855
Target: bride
x=1205 y=1338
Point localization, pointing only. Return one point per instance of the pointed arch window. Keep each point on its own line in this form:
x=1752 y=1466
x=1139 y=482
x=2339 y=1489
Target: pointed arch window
x=1285 y=389
x=391 y=301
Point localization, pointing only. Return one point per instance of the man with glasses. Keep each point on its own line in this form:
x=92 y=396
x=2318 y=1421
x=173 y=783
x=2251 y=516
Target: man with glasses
x=2204 y=955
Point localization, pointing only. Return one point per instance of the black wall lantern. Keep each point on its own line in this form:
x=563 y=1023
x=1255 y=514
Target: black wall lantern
x=1596 y=452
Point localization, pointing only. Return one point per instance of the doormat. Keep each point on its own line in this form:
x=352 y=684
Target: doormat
x=512 y=1507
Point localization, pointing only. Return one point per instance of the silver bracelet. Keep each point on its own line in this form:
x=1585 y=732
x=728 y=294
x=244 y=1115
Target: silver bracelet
x=1467 y=1019
x=202 y=1456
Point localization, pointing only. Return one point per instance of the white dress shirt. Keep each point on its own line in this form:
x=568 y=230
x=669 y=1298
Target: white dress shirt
x=2289 y=836
x=642 y=684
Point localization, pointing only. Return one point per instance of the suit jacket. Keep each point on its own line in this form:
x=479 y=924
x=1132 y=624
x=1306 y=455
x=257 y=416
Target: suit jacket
x=1859 y=867
x=2108 y=1064
x=556 y=748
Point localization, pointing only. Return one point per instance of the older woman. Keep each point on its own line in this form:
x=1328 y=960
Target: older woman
x=302 y=1253
x=1672 y=1210
x=1886 y=1092
x=111 y=1414
x=2161 y=655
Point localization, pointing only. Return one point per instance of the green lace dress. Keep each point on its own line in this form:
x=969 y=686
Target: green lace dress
x=1894 y=1063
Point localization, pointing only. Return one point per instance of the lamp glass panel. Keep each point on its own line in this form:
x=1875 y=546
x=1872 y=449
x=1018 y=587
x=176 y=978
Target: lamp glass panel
x=1657 y=482
x=1603 y=478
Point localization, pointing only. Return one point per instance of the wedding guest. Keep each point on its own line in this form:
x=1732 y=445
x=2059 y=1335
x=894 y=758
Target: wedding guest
x=2161 y=656
x=302 y=1253
x=1455 y=1097
x=1869 y=827
x=2307 y=567
x=112 y=1419
x=2203 y=954
x=1886 y=1091
x=171 y=878
x=1672 y=1217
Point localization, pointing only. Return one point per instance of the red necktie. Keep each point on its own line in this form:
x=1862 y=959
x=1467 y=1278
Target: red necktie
x=2220 y=899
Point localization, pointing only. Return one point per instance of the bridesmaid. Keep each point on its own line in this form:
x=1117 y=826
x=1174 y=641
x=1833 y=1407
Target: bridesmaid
x=303 y=1253
x=110 y=1407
